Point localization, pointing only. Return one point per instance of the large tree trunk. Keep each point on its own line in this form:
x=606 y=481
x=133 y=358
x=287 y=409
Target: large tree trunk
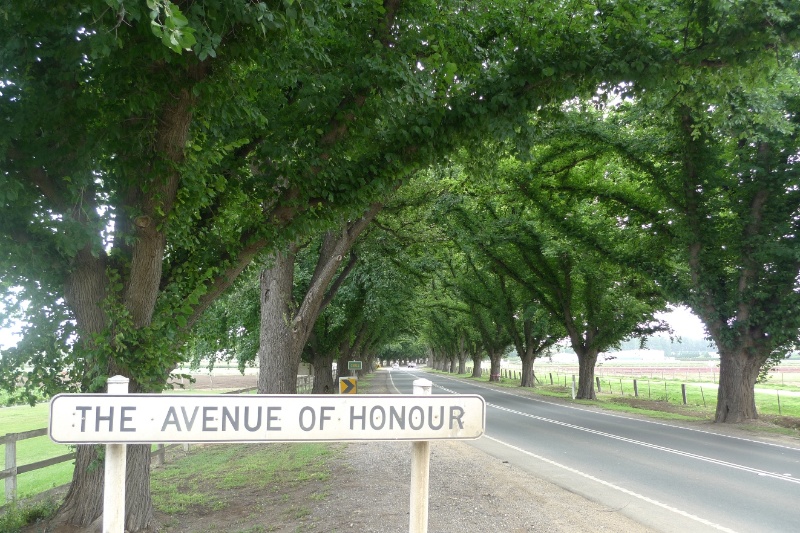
x=285 y=328
x=323 y=375
x=83 y=504
x=494 y=369
x=453 y=363
x=528 y=377
x=586 y=363
x=341 y=361
x=84 y=293
x=476 y=365
x=738 y=373
x=138 y=503
x=84 y=500
x=278 y=353
x=461 y=355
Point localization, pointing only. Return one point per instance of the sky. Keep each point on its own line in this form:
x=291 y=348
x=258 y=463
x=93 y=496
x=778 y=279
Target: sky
x=684 y=322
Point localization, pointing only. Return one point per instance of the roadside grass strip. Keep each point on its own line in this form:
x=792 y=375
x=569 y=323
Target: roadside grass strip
x=618 y=393
x=199 y=481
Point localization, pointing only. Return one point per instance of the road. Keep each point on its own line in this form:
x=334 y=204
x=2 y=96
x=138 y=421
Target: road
x=664 y=476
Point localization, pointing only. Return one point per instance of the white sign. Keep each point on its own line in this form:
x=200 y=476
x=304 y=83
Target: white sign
x=154 y=418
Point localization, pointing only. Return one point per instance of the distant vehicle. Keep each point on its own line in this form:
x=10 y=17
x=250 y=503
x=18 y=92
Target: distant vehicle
x=395 y=365
x=412 y=364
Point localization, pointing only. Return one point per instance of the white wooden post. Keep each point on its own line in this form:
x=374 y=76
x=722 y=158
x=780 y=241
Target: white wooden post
x=420 y=473
x=11 y=464
x=114 y=489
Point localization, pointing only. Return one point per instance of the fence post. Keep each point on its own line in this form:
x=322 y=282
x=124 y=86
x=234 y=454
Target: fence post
x=683 y=392
x=114 y=489
x=597 y=380
x=635 y=388
x=11 y=464
x=551 y=378
x=573 y=386
x=420 y=473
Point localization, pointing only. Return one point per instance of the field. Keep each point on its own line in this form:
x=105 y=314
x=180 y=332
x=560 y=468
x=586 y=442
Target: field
x=24 y=418
x=778 y=396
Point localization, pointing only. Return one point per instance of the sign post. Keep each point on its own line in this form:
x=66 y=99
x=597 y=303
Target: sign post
x=420 y=473
x=354 y=367
x=117 y=419
x=116 y=454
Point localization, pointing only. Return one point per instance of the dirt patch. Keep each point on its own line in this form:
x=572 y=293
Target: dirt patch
x=787 y=422
x=284 y=505
x=224 y=382
x=656 y=405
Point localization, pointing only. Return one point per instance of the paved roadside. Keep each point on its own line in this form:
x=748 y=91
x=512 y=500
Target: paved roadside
x=470 y=491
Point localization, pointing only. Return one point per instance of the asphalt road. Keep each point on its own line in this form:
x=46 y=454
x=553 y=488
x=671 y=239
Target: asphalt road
x=664 y=476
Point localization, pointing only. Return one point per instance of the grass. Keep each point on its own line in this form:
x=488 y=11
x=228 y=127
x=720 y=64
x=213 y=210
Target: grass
x=16 y=516
x=25 y=418
x=21 y=418
x=617 y=394
x=197 y=481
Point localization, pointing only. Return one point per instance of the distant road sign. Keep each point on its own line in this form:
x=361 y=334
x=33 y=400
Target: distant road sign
x=153 y=418
x=354 y=365
x=348 y=385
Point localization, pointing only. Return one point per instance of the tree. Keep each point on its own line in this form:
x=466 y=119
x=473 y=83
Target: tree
x=705 y=170
x=286 y=324
x=598 y=303
x=727 y=180
x=174 y=149
x=212 y=131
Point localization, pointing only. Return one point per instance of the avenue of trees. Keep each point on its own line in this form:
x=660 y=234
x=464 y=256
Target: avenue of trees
x=278 y=181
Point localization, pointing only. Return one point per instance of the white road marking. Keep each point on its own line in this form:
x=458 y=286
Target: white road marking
x=616 y=487
x=653 y=446
x=396 y=390
x=614 y=415
x=719 y=462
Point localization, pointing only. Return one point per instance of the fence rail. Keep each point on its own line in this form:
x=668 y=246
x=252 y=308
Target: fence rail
x=12 y=470
x=771 y=401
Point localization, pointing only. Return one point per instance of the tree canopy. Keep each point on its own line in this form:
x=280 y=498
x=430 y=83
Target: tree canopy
x=151 y=150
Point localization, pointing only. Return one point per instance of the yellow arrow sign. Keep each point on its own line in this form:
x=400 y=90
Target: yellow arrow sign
x=348 y=385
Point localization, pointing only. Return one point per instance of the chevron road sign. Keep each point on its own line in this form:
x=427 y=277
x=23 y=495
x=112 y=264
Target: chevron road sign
x=348 y=385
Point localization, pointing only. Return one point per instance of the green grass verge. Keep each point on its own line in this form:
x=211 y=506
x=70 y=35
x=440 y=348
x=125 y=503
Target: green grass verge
x=16 y=516
x=199 y=481
x=618 y=394
x=25 y=418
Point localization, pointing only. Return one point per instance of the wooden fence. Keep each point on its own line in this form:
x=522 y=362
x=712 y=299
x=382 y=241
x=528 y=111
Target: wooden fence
x=12 y=470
